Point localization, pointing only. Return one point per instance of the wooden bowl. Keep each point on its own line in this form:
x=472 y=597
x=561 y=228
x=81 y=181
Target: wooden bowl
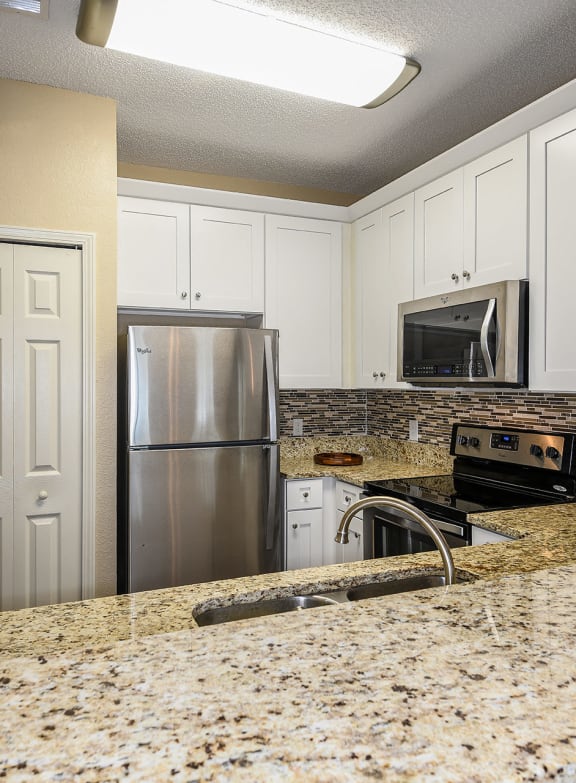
x=338 y=458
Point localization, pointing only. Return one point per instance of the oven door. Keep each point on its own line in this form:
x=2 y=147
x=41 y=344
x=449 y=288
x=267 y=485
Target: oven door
x=388 y=533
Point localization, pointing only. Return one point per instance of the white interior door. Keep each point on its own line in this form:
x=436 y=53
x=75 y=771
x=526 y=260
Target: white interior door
x=6 y=429
x=47 y=351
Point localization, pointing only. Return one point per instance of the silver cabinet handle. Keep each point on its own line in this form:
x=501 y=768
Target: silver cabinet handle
x=42 y=495
x=374 y=374
x=295 y=526
x=197 y=295
x=184 y=294
x=466 y=275
x=305 y=494
x=454 y=277
x=382 y=375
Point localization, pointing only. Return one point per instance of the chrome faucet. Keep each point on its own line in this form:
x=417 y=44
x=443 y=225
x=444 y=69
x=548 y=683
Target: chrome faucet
x=406 y=508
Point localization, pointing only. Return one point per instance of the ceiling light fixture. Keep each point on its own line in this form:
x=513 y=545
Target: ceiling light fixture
x=241 y=43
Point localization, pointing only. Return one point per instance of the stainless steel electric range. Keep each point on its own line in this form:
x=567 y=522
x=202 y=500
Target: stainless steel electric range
x=495 y=468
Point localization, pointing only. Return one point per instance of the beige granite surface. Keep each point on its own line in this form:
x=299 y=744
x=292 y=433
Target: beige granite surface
x=476 y=682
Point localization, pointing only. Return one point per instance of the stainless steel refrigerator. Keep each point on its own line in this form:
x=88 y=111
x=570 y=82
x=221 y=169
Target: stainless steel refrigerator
x=201 y=485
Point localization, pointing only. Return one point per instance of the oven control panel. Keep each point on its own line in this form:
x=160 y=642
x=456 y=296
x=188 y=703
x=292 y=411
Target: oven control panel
x=518 y=447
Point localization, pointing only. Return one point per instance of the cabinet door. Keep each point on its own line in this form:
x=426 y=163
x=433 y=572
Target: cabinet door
x=304 y=539
x=481 y=536
x=398 y=225
x=438 y=242
x=227 y=260
x=371 y=316
x=153 y=253
x=495 y=215
x=354 y=549
x=304 y=299
x=552 y=243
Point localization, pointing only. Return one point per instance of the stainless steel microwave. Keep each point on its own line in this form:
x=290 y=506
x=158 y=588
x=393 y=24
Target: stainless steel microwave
x=474 y=336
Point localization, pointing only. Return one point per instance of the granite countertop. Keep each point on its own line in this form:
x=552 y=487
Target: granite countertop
x=476 y=682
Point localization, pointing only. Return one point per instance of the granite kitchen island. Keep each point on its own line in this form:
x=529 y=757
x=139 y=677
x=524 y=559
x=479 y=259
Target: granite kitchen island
x=476 y=682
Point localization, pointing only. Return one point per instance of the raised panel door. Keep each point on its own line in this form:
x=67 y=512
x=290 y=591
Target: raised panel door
x=6 y=430
x=227 y=259
x=47 y=421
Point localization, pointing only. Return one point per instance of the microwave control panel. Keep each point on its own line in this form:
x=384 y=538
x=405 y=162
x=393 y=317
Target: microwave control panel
x=528 y=448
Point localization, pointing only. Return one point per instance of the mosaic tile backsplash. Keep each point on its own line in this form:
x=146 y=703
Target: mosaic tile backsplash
x=387 y=412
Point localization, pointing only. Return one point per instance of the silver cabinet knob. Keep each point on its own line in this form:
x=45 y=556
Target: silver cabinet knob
x=347 y=498
x=356 y=535
x=382 y=375
x=295 y=526
x=184 y=294
x=197 y=295
x=374 y=374
x=42 y=495
x=454 y=277
x=466 y=275
x=305 y=494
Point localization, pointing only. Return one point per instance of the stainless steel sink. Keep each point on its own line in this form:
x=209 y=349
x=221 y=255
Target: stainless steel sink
x=401 y=585
x=293 y=603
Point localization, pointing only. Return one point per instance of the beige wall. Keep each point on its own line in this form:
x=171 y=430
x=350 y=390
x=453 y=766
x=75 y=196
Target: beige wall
x=235 y=184
x=58 y=171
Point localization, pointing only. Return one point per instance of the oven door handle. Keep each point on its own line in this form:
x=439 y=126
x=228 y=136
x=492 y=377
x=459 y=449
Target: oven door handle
x=484 y=338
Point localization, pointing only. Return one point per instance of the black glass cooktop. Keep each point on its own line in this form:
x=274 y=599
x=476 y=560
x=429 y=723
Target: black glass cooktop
x=456 y=497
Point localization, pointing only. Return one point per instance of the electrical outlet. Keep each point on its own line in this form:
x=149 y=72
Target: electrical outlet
x=413 y=429
x=297 y=427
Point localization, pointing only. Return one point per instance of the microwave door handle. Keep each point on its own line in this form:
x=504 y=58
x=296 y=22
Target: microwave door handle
x=484 y=338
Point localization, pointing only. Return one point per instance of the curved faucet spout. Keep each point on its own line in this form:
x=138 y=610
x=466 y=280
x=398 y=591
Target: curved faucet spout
x=423 y=519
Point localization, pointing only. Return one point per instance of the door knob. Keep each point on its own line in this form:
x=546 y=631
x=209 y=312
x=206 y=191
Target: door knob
x=42 y=495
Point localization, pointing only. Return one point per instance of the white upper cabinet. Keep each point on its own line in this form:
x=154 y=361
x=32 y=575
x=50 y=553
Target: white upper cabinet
x=552 y=243
x=153 y=253
x=372 y=346
x=438 y=225
x=304 y=299
x=227 y=260
x=471 y=225
x=189 y=257
x=496 y=214
x=383 y=252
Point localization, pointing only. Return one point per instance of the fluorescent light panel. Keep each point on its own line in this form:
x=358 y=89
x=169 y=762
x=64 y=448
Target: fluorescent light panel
x=239 y=43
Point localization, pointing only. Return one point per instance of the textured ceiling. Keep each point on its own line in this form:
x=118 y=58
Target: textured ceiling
x=480 y=61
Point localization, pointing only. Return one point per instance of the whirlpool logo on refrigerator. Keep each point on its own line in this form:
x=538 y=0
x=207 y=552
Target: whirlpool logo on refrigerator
x=144 y=350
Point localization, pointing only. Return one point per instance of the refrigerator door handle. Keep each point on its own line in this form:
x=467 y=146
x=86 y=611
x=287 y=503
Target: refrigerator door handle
x=271 y=386
x=273 y=479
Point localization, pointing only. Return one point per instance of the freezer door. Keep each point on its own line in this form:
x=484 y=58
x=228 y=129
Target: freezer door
x=201 y=385
x=197 y=515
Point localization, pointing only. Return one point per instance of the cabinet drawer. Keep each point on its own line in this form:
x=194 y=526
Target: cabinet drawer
x=346 y=495
x=303 y=493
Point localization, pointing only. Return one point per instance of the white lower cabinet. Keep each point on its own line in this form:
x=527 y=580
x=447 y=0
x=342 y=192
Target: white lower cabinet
x=314 y=509
x=304 y=539
x=481 y=536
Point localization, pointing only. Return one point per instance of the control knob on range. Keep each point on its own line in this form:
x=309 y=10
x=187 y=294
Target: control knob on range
x=463 y=440
x=536 y=450
x=552 y=452
x=474 y=442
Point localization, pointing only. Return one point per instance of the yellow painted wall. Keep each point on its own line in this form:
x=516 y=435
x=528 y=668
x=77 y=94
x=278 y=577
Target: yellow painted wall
x=58 y=171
